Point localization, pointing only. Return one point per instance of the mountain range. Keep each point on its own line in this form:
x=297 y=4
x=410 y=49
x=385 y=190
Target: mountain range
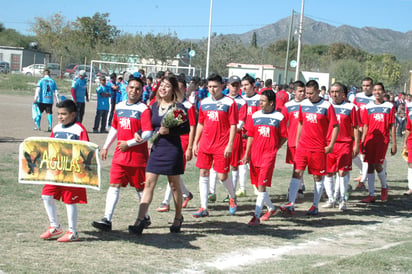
x=370 y=39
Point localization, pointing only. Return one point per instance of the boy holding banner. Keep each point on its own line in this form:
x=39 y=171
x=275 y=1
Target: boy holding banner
x=67 y=128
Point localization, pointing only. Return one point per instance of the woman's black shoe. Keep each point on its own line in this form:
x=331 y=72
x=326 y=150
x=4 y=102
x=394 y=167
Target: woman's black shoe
x=176 y=228
x=137 y=229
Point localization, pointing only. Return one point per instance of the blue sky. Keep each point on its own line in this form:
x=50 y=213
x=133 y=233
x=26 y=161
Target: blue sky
x=190 y=19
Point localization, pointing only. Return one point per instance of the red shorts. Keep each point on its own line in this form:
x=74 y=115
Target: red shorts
x=261 y=176
x=69 y=195
x=237 y=151
x=340 y=158
x=375 y=152
x=220 y=163
x=314 y=160
x=290 y=155
x=124 y=175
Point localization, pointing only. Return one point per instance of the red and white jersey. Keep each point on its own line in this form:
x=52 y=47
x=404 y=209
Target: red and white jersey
x=408 y=108
x=282 y=97
x=316 y=119
x=347 y=116
x=75 y=131
x=379 y=117
x=361 y=100
x=216 y=116
x=409 y=127
x=241 y=107
x=127 y=120
x=191 y=113
x=291 y=113
x=266 y=129
x=253 y=105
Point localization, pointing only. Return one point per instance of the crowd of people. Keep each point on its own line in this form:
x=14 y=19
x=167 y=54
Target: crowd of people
x=233 y=128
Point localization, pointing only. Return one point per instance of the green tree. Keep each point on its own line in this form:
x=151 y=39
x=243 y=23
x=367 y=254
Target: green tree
x=384 y=68
x=347 y=71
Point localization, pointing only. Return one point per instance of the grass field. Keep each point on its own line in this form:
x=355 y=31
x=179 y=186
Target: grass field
x=373 y=238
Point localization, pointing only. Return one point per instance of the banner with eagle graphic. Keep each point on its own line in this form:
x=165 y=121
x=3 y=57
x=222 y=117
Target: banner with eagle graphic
x=63 y=162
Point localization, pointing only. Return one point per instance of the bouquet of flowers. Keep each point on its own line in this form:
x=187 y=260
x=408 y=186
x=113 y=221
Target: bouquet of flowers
x=174 y=117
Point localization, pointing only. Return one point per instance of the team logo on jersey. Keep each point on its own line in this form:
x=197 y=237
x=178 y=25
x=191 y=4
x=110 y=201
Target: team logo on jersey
x=213 y=116
x=134 y=113
x=296 y=115
x=249 y=111
x=312 y=118
x=379 y=117
x=264 y=131
x=385 y=110
x=124 y=123
x=272 y=122
x=219 y=106
x=319 y=110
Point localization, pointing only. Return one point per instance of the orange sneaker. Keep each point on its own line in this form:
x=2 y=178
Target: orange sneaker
x=254 y=222
x=369 y=199
x=268 y=214
x=51 y=232
x=69 y=237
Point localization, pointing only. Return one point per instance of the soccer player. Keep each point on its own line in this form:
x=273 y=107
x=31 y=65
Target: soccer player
x=132 y=118
x=282 y=97
x=407 y=144
x=103 y=94
x=43 y=97
x=67 y=128
x=346 y=147
x=79 y=94
x=215 y=133
x=266 y=134
x=291 y=113
x=316 y=116
x=252 y=99
x=361 y=100
x=378 y=123
x=114 y=90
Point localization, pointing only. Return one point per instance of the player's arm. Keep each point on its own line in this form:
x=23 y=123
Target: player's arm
x=56 y=93
x=109 y=140
x=298 y=131
x=356 y=135
x=189 y=150
x=393 y=136
x=282 y=141
x=36 y=94
x=229 y=147
x=335 y=132
x=199 y=130
x=249 y=143
x=87 y=96
x=365 y=130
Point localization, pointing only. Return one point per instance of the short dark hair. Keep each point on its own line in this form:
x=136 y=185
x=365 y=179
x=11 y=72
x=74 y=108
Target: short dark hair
x=132 y=78
x=68 y=104
x=215 y=77
x=341 y=87
x=46 y=71
x=101 y=78
x=248 y=78
x=312 y=84
x=113 y=76
x=268 y=83
x=380 y=84
x=182 y=79
x=368 y=79
x=160 y=74
x=270 y=94
x=298 y=84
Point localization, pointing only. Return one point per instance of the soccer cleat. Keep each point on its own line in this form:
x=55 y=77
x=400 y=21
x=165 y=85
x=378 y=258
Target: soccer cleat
x=301 y=195
x=268 y=214
x=51 y=232
x=187 y=199
x=147 y=222
x=360 y=187
x=163 y=208
x=254 y=222
x=289 y=208
x=384 y=194
x=408 y=193
x=232 y=206
x=226 y=200
x=342 y=206
x=201 y=212
x=69 y=237
x=313 y=210
x=241 y=193
x=103 y=224
x=329 y=204
x=211 y=197
x=369 y=199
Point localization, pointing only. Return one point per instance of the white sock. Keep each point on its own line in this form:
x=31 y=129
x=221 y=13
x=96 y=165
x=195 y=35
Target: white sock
x=183 y=187
x=235 y=178
x=371 y=183
x=212 y=181
x=72 y=217
x=229 y=186
x=382 y=178
x=168 y=194
x=293 y=189
x=242 y=176
x=337 y=188
x=51 y=210
x=343 y=186
x=317 y=193
x=410 y=178
x=203 y=191
x=267 y=201
x=358 y=162
x=364 y=171
x=328 y=183
x=139 y=196
x=259 y=204
x=112 y=198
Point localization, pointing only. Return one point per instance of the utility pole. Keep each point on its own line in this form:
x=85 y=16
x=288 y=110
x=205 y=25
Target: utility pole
x=287 y=50
x=208 y=40
x=299 y=41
